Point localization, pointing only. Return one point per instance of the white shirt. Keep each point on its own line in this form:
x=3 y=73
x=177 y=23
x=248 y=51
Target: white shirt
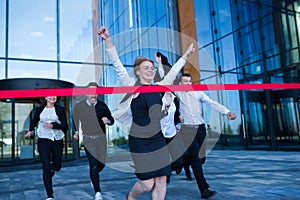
x=167 y=123
x=89 y=103
x=49 y=115
x=191 y=106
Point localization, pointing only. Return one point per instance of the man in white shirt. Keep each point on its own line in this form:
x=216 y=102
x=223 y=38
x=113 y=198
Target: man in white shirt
x=193 y=129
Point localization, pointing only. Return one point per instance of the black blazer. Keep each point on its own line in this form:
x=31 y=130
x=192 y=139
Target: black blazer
x=60 y=111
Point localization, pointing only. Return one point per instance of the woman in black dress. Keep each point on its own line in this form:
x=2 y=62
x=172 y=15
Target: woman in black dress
x=142 y=113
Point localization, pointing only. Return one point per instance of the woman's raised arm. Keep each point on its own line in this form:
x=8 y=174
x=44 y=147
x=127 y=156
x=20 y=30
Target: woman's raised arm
x=121 y=71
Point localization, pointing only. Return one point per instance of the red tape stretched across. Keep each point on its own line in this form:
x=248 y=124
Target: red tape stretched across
x=4 y=94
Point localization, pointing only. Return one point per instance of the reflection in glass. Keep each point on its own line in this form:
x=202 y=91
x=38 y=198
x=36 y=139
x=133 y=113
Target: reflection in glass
x=76 y=30
x=2 y=27
x=228 y=55
x=5 y=131
x=2 y=69
x=224 y=16
x=289 y=118
x=256 y=122
x=79 y=74
x=27 y=69
x=24 y=146
x=203 y=26
x=32 y=32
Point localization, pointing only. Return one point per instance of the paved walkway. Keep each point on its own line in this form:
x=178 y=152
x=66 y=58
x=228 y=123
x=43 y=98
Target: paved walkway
x=235 y=175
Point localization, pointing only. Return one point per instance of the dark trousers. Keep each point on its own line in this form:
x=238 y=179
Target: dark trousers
x=96 y=151
x=194 y=138
x=176 y=148
x=51 y=158
x=186 y=165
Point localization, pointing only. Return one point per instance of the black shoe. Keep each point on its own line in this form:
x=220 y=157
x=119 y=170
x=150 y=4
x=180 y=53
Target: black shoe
x=168 y=179
x=188 y=174
x=203 y=160
x=178 y=170
x=189 y=178
x=206 y=194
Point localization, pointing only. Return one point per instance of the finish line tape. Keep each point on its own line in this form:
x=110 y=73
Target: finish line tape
x=6 y=94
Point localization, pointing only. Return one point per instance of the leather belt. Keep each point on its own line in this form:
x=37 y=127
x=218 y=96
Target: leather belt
x=91 y=136
x=192 y=126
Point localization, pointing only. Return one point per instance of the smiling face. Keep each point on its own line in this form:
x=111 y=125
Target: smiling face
x=92 y=97
x=186 y=79
x=51 y=100
x=146 y=72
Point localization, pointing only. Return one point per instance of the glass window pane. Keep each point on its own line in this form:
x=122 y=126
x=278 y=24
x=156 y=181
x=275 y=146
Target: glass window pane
x=151 y=6
x=224 y=16
x=228 y=54
x=24 y=146
x=203 y=23
x=24 y=69
x=161 y=11
x=32 y=32
x=5 y=131
x=2 y=27
x=206 y=61
x=79 y=74
x=2 y=69
x=76 y=30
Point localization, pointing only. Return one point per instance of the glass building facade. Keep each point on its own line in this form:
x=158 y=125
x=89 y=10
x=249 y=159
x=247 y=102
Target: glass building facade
x=267 y=51
x=237 y=42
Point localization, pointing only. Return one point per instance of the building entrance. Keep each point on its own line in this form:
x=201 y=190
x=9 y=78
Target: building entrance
x=275 y=122
x=15 y=117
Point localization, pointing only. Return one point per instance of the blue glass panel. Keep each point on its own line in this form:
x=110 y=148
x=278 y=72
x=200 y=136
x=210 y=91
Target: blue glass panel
x=206 y=59
x=2 y=69
x=161 y=12
x=228 y=53
x=151 y=12
x=272 y=63
x=27 y=69
x=2 y=27
x=143 y=15
x=224 y=17
x=76 y=30
x=255 y=111
x=78 y=74
x=32 y=32
x=203 y=23
x=233 y=104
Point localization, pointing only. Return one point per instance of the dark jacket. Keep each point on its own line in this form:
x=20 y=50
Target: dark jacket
x=60 y=112
x=91 y=117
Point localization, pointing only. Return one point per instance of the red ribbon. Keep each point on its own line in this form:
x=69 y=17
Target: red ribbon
x=4 y=94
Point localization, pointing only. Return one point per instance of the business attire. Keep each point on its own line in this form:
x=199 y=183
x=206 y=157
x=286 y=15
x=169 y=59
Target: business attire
x=94 y=135
x=193 y=130
x=50 y=140
x=141 y=114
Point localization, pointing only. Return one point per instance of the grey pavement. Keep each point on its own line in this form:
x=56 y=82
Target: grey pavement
x=235 y=175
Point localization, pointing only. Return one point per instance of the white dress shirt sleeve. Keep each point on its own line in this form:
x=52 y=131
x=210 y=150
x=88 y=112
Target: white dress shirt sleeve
x=213 y=104
x=170 y=77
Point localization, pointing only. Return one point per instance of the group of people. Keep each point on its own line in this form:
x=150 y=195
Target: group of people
x=92 y=115
x=165 y=129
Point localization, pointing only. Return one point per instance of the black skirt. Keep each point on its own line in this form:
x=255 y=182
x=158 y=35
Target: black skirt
x=150 y=156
